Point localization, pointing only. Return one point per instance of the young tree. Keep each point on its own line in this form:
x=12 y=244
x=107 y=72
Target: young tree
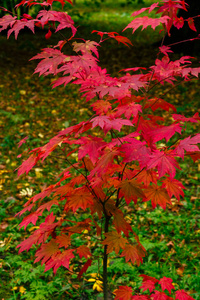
x=107 y=168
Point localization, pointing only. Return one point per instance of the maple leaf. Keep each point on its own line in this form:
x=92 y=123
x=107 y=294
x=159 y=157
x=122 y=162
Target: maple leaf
x=148 y=285
x=7 y=21
x=164 y=132
x=63 y=18
x=131 y=190
x=156 y=103
x=83 y=251
x=63 y=240
x=28 y=164
x=146 y=176
x=87 y=47
x=146 y=277
x=20 y=24
x=101 y=106
x=134 y=253
x=123 y=293
x=159 y=296
x=47 y=251
x=32 y=218
x=166 y=284
x=173 y=187
x=51 y=59
x=146 y=21
x=107 y=124
x=59 y=259
x=91 y=146
x=79 y=227
x=104 y=162
x=165 y=163
x=183 y=295
x=120 y=223
x=123 y=39
x=194 y=119
x=131 y=109
x=188 y=144
x=114 y=241
x=81 y=198
x=157 y=195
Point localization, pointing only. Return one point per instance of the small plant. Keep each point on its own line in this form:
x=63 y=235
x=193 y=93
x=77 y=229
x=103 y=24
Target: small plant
x=126 y=154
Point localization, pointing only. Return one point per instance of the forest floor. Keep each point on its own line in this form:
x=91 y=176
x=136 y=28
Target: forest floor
x=30 y=107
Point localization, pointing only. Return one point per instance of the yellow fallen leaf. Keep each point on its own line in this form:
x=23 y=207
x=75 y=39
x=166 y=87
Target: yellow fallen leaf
x=22 y=92
x=22 y=289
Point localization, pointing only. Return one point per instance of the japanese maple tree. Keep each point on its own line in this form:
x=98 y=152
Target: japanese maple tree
x=122 y=155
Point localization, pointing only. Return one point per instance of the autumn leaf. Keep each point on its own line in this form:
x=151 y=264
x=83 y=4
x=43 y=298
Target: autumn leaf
x=166 y=284
x=82 y=198
x=157 y=195
x=183 y=295
x=146 y=21
x=47 y=251
x=59 y=259
x=63 y=240
x=148 y=285
x=173 y=187
x=160 y=296
x=83 y=251
x=134 y=253
x=131 y=190
x=114 y=241
x=123 y=293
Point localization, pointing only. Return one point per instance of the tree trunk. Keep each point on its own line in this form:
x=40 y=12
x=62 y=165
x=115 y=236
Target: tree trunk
x=185 y=33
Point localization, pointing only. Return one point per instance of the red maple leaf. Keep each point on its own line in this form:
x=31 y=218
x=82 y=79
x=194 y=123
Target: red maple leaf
x=183 y=295
x=83 y=251
x=146 y=277
x=114 y=241
x=123 y=293
x=120 y=223
x=146 y=21
x=63 y=240
x=156 y=103
x=91 y=146
x=59 y=259
x=51 y=59
x=131 y=190
x=188 y=144
x=166 y=284
x=173 y=187
x=165 y=163
x=47 y=251
x=134 y=253
x=32 y=218
x=157 y=195
x=160 y=296
x=148 y=285
x=81 y=198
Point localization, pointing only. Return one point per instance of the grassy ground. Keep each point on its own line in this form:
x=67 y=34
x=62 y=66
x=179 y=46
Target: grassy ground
x=30 y=107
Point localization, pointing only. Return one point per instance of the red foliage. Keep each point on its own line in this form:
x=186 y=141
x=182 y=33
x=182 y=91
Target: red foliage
x=111 y=170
